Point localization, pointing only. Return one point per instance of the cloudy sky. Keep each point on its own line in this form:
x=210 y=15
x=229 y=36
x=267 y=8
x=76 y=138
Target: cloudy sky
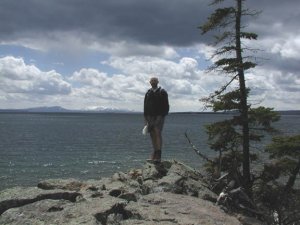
x=86 y=54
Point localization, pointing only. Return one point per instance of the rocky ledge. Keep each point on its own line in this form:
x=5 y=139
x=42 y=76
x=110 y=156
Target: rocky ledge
x=166 y=193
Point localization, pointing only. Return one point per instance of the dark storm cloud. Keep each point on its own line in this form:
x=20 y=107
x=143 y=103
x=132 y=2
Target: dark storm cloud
x=280 y=64
x=156 y=22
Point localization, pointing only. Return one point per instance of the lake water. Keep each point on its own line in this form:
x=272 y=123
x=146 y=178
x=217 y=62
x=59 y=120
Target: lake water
x=35 y=147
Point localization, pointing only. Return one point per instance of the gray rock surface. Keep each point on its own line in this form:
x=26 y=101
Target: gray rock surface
x=177 y=209
x=165 y=193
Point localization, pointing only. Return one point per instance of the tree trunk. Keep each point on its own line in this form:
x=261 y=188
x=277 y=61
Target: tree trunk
x=244 y=105
x=292 y=178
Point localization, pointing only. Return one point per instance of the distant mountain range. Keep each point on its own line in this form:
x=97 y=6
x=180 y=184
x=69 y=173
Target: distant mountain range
x=59 y=109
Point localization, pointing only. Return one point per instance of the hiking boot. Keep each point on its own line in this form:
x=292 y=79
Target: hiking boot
x=157 y=156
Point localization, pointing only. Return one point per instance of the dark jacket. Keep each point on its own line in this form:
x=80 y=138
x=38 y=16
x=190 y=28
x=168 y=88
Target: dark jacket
x=156 y=103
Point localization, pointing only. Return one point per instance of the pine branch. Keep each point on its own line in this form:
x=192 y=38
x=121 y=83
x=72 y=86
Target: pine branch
x=223 y=88
x=291 y=221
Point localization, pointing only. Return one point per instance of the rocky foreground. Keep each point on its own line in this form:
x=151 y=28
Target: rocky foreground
x=169 y=193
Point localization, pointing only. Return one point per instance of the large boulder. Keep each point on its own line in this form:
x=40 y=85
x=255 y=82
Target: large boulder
x=93 y=211
x=17 y=197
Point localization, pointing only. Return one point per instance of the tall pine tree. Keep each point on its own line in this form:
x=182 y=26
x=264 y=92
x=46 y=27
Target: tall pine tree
x=231 y=138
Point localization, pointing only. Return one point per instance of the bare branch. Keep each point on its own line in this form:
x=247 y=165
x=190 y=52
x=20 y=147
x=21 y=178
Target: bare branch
x=252 y=13
x=223 y=88
x=196 y=150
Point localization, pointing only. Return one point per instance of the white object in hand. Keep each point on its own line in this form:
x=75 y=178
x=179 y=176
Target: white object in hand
x=145 y=130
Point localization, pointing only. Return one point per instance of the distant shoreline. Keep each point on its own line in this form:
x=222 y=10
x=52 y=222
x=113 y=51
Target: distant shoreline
x=20 y=111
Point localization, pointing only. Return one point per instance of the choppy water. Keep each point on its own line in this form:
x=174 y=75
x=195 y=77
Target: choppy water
x=35 y=147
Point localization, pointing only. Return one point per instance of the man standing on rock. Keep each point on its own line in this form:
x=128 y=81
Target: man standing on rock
x=156 y=107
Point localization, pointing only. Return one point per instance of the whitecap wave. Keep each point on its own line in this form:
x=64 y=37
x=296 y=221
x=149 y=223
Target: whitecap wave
x=96 y=162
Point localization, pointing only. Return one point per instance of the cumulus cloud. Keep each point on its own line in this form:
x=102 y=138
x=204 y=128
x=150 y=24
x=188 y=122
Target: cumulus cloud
x=132 y=40
x=273 y=88
x=186 y=67
x=183 y=80
x=126 y=49
x=288 y=48
x=92 y=88
x=95 y=84
x=17 y=77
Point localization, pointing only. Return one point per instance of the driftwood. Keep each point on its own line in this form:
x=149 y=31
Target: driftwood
x=196 y=150
x=237 y=200
x=222 y=177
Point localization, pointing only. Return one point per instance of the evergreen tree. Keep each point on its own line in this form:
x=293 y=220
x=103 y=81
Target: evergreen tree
x=276 y=188
x=286 y=151
x=234 y=135
x=232 y=138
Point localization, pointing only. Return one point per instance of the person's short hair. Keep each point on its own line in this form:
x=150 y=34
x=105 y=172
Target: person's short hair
x=154 y=79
